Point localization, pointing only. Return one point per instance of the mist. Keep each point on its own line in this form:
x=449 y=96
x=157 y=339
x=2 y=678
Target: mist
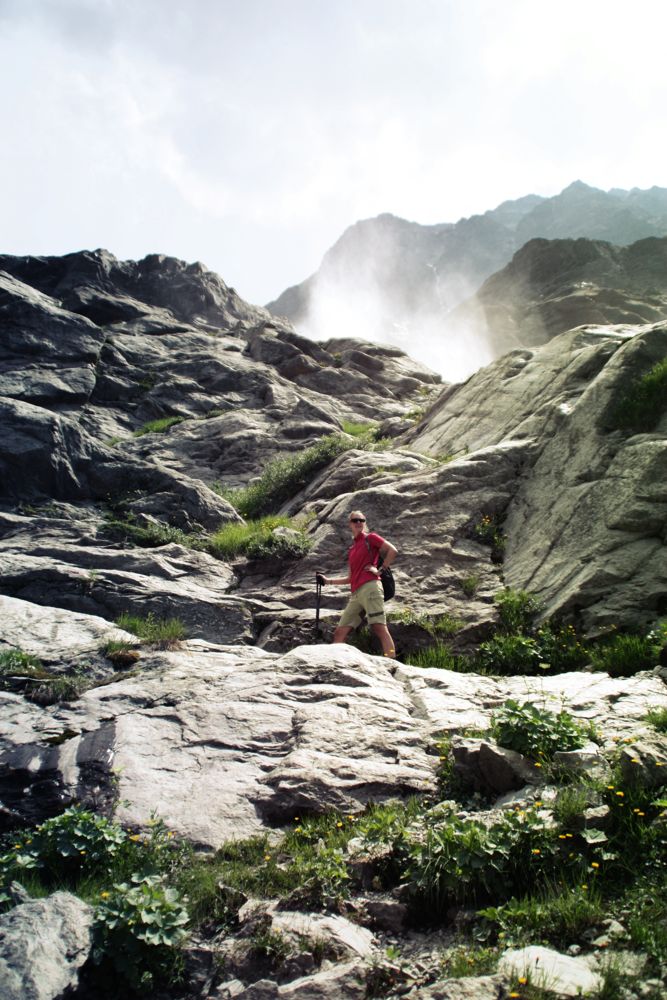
x=453 y=348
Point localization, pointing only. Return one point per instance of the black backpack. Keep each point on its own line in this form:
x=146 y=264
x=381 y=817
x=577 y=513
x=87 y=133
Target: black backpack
x=386 y=575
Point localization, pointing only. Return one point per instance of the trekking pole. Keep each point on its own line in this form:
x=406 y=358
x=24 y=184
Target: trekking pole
x=318 y=598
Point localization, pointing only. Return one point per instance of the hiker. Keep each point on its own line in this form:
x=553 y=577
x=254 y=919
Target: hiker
x=364 y=580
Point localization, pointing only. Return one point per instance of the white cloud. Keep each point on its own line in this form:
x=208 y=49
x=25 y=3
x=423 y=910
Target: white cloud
x=250 y=135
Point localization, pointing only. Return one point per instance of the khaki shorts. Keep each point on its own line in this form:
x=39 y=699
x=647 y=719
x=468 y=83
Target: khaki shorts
x=368 y=598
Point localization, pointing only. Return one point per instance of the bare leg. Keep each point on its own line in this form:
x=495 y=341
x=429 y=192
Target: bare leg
x=341 y=634
x=383 y=634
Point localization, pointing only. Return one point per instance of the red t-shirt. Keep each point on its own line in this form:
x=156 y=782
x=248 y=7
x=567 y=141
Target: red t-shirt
x=358 y=556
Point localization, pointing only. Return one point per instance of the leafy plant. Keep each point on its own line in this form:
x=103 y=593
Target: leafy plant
x=75 y=841
x=12 y=660
x=465 y=861
x=517 y=610
x=158 y=426
x=139 y=928
x=645 y=402
x=511 y=654
x=554 y=914
x=259 y=539
x=164 y=633
x=536 y=732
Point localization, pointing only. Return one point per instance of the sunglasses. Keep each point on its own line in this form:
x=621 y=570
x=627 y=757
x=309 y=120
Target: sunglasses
x=357 y=520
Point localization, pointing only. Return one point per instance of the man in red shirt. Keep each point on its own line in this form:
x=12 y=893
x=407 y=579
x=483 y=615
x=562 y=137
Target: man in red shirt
x=364 y=581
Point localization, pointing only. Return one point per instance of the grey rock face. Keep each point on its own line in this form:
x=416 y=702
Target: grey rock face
x=598 y=492
x=227 y=741
x=43 y=944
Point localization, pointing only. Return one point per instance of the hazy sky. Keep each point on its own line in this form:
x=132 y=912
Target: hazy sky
x=249 y=134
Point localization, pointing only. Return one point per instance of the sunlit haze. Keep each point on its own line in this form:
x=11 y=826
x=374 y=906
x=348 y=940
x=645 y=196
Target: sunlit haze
x=250 y=135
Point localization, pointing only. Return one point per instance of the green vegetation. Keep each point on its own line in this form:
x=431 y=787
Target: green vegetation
x=139 y=919
x=163 y=633
x=358 y=429
x=158 y=426
x=440 y=655
x=24 y=673
x=540 y=874
x=488 y=531
x=645 y=402
x=439 y=625
x=625 y=655
x=283 y=478
x=148 y=535
x=258 y=539
x=121 y=652
x=469 y=584
x=657 y=718
x=536 y=732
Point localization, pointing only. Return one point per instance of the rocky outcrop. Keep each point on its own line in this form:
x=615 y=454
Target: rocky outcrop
x=225 y=741
x=553 y=285
x=43 y=945
x=597 y=490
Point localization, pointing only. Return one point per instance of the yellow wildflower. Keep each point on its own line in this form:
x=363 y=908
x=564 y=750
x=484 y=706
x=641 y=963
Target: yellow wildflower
x=522 y=980
x=105 y=895
x=595 y=864
x=536 y=850
x=620 y=794
x=267 y=857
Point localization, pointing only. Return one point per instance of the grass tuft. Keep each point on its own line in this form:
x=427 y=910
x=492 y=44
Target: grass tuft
x=163 y=633
x=158 y=426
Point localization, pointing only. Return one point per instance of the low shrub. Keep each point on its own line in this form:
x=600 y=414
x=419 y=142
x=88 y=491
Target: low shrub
x=517 y=610
x=510 y=654
x=158 y=426
x=488 y=531
x=258 y=539
x=160 y=632
x=536 y=732
x=469 y=584
x=625 y=655
x=645 y=402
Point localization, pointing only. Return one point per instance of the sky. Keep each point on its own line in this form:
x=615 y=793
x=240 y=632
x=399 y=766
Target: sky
x=249 y=134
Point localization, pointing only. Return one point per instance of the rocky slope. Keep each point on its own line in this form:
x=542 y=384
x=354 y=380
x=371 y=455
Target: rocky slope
x=404 y=277
x=252 y=719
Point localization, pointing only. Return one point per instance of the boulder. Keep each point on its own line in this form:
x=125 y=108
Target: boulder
x=562 y=975
x=43 y=945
